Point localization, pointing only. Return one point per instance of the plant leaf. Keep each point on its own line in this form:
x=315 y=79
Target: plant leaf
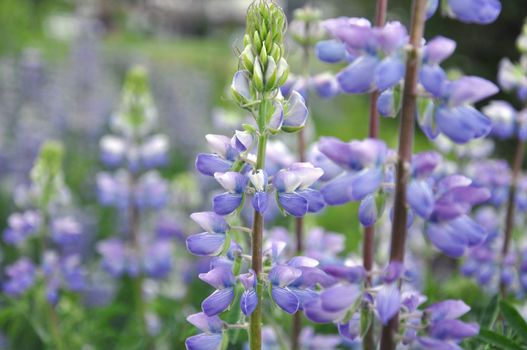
x=498 y=340
x=514 y=319
x=490 y=314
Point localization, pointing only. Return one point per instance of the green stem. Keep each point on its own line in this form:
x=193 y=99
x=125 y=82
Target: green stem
x=255 y=326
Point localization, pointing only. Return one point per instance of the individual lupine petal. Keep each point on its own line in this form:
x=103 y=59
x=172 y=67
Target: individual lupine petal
x=393 y=272
x=303 y=295
x=296 y=115
x=391 y=37
x=350 y=330
x=277 y=118
x=206 y=244
x=475 y=11
x=386 y=104
x=210 y=221
x=302 y=261
x=232 y=181
x=336 y=150
x=330 y=51
x=356 y=33
x=453 y=329
x=311 y=276
x=337 y=191
x=221 y=145
x=293 y=203
x=469 y=90
x=113 y=150
x=316 y=313
x=389 y=73
x=339 y=298
x=325 y=85
x=449 y=242
x=420 y=198
x=366 y=182
x=260 y=201
x=286 y=181
x=307 y=173
x=283 y=275
x=226 y=203
x=427 y=121
x=358 y=77
x=248 y=302
x=462 y=124
x=465 y=226
x=285 y=299
x=366 y=153
x=242 y=140
x=424 y=163
x=438 y=49
x=368 y=211
x=209 y=164
x=431 y=8
x=240 y=87
x=220 y=277
x=352 y=274
x=314 y=199
x=450 y=182
x=433 y=79
x=248 y=279
x=447 y=310
x=388 y=302
x=204 y=341
x=412 y=300
x=218 y=301
x=206 y=323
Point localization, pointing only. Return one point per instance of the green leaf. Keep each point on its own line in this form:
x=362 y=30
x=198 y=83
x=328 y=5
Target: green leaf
x=514 y=319
x=490 y=314
x=498 y=340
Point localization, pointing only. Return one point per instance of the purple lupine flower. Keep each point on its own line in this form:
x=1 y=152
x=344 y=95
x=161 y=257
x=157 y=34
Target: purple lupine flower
x=294 y=194
x=66 y=231
x=333 y=303
x=235 y=184
x=249 y=298
x=474 y=11
x=452 y=113
x=364 y=168
x=503 y=117
x=223 y=280
x=157 y=258
x=112 y=189
x=153 y=151
x=445 y=203
x=324 y=85
x=226 y=152
x=387 y=302
x=21 y=226
x=113 y=150
x=281 y=276
x=21 y=276
x=151 y=191
x=212 y=241
x=117 y=258
x=212 y=336
x=495 y=175
x=260 y=200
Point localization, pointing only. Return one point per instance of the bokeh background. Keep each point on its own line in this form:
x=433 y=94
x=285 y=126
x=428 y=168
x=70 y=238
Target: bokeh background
x=62 y=64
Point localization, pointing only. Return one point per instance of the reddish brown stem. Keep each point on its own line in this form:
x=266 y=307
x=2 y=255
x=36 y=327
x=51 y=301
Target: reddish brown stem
x=511 y=204
x=406 y=136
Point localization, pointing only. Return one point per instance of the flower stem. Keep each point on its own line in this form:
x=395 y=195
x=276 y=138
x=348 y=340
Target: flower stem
x=406 y=136
x=134 y=223
x=296 y=326
x=255 y=326
x=368 y=244
x=511 y=205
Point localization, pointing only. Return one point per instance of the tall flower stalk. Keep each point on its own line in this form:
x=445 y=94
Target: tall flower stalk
x=406 y=136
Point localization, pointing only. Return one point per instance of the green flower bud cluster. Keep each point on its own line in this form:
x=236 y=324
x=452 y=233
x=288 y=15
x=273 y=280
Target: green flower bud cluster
x=137 y=114
x=305 y=28
x=262 y=56
x=46 y=174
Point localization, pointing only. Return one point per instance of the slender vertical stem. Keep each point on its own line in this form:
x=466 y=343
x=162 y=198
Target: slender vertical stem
x=368 y=244
x=511 y=204
x=134 y=224
x=406 y=136
x=296 y=326
x=255 y=326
